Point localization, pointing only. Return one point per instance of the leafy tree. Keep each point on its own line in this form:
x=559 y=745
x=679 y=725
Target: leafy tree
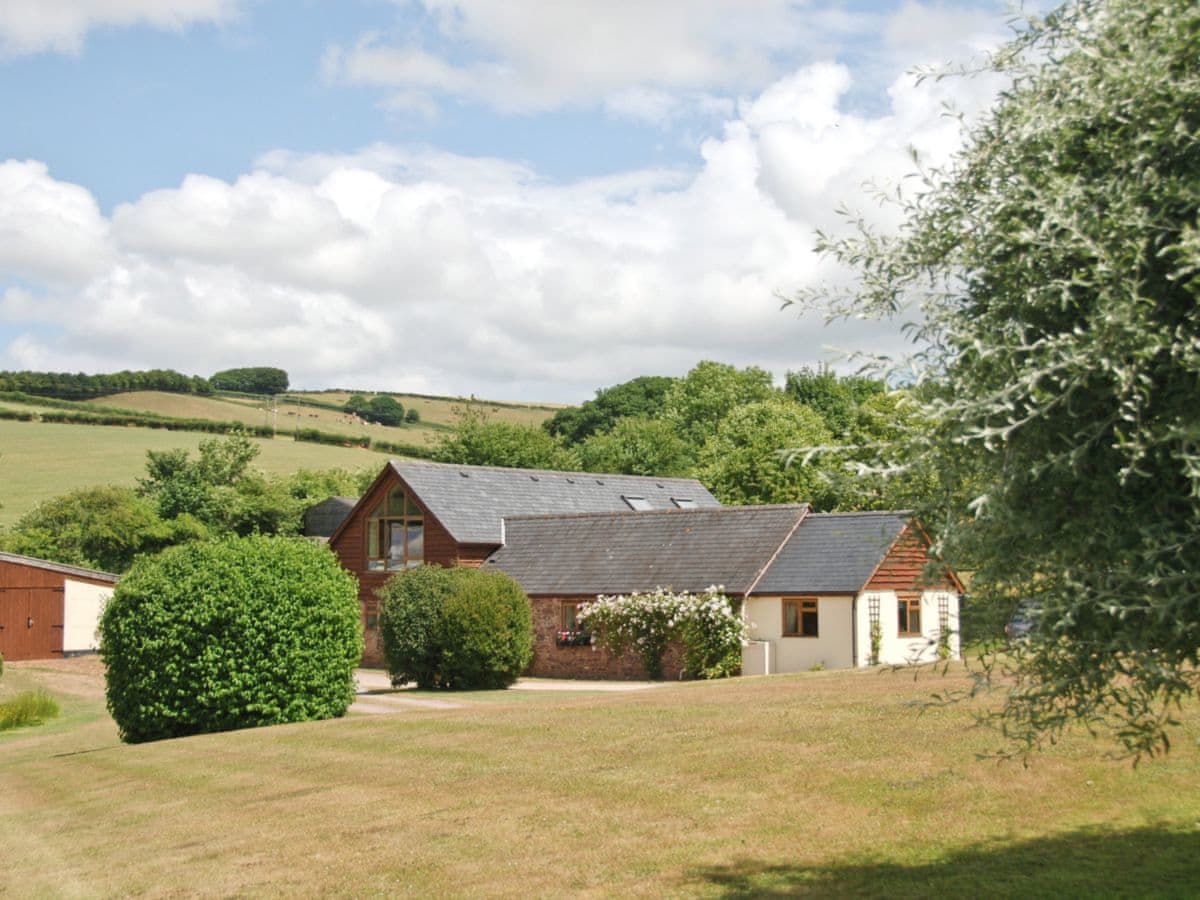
x=101 y=527
x=741 y=463
x=698 y=402
x=639 y=397
x=1056 y=264
x=455 y=628
x=251 y=380
x=385 y=410
x=203 y=487
x=637 y=446
x=412 y=416
x=228 y=634
x=477 y=441
x=836 y=398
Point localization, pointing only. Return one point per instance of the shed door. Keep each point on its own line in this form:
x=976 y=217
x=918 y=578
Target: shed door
x=31 y=622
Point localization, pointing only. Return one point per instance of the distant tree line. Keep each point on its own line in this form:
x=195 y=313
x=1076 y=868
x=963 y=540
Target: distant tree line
x=78 y=386
x=251 y=380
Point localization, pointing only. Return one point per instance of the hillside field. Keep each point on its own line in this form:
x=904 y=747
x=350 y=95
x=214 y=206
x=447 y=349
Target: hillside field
x=39 y=460
x=823 y=784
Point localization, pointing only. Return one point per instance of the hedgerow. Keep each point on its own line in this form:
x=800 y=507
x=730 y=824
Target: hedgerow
x=235 y=633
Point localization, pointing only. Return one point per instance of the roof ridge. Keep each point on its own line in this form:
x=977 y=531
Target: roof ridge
x=694 y=511
x=862 y=512
x=431 y=464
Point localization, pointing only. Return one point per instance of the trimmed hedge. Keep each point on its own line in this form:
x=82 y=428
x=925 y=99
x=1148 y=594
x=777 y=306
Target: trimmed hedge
x=455 y=628
x=230 y=634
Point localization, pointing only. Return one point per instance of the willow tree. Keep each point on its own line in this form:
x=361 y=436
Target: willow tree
x=1054 y=269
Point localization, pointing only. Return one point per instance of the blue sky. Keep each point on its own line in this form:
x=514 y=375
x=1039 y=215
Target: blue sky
x=515 y=200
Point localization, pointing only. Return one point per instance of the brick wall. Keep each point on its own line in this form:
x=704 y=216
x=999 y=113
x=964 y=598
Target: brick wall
x=552 y=661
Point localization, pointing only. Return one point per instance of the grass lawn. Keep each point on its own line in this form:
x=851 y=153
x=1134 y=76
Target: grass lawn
x=821 y=784
x=39 y=460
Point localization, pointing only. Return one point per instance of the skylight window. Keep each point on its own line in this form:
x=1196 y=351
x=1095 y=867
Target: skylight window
x=684 y=502
x=641 y=504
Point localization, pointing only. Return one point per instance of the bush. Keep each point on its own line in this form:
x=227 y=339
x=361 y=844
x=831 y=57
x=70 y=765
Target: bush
x=455 y=628
x=711 y=630
x=230 y=634
x=29 y=708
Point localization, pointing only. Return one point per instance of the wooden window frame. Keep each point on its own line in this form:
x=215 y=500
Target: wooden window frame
x=569 y=633
x=912 y=609
x=408 y=515
x=803 y=605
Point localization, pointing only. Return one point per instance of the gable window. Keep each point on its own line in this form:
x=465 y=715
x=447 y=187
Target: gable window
x=909 y=613
x=800 y=617
x=395 y=533
x=641 y=504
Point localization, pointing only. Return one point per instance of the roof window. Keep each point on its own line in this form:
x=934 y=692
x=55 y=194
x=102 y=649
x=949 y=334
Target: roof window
x=639 y=503
x=684 y=502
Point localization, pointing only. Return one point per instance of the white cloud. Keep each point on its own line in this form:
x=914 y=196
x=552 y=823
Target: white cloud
x=411 y=268
x=578 y=52
x=34 y=26
x=50 y=231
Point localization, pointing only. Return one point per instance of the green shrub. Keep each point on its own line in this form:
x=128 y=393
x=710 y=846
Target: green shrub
x=230 y=634
x=455 y=628
x=29 y=708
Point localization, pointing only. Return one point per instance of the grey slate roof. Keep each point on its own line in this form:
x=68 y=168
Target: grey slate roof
x=471 y=501
x=833 y=552
x=323 y=519
x=61 y=568
x=684 y=550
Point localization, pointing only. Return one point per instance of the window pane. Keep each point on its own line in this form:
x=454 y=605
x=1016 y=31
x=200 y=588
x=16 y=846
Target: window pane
x=902 y=613
x=808 y=621
x=416 y=543
x=395 y=545
x=569 y=620
x=373 y=529
x=378 y=512
x=396 y=501
x=914 y=617
x=639 y=503
x=411 y=508
x=791 y=618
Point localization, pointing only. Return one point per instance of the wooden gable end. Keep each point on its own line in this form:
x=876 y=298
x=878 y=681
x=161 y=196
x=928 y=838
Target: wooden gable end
x=903 y=569
x=349 y=541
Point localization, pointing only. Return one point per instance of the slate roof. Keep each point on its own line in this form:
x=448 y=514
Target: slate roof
x=62 y=569
x=683 y=550
x=833 y=552
x=323 y=519
x=471 y=501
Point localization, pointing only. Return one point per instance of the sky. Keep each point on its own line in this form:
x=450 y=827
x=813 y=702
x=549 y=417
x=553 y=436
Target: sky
x=512 y=200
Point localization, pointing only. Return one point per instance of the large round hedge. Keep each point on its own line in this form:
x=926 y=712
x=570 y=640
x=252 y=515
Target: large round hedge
x=230 y=634
x=455 y=628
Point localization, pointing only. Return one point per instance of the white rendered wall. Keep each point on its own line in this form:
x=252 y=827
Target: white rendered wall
x=82 y=605
x=895 y=649
x=831 y=648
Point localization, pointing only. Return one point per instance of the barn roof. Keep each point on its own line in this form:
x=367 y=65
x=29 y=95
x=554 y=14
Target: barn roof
x=833 y=552
x=47 y=565
x=683 y=550
x=323 y=519
x=471 y=501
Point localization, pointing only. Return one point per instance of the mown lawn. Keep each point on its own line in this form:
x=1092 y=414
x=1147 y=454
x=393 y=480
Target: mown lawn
x=822 y=784
x=39 y=460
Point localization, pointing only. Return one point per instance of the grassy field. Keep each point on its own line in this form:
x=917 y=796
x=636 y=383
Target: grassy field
x=821 y=784
x=40 y=460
